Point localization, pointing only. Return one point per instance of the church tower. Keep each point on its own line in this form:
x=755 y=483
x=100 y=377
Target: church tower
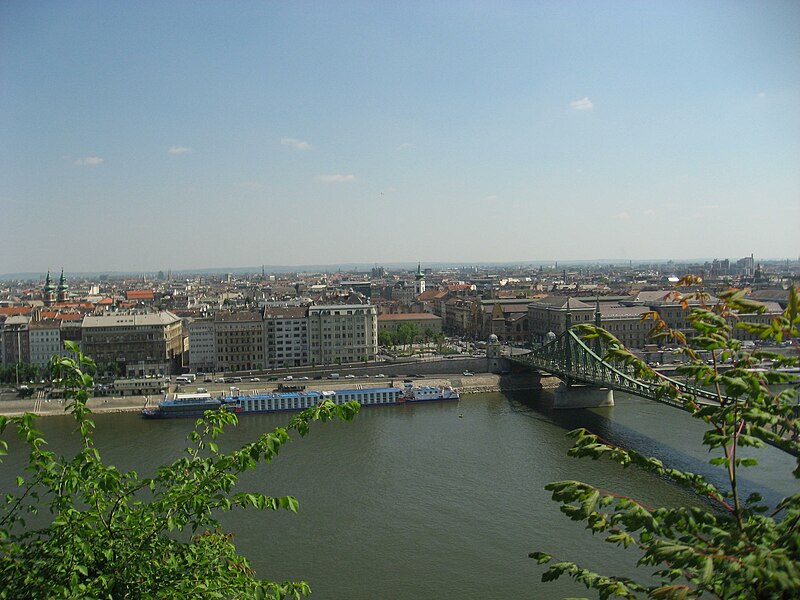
x=419 y=281
x=48 y=291
x=63 y=289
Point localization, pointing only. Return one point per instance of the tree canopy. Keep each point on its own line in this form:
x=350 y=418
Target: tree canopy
x=114 y=534
x=732 y=547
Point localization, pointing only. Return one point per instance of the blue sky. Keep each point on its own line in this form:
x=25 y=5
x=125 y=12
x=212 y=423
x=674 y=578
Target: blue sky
x=153 y=135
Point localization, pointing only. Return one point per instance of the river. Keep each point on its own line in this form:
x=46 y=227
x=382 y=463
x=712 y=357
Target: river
x=438 y=500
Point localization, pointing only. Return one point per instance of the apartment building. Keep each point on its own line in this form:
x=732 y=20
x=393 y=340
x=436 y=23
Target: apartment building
x=45 y=341
x=342 y=333
x=16 y=340
x=144 y=343
x=202 y=345
x=239 y=340
x=285 y=336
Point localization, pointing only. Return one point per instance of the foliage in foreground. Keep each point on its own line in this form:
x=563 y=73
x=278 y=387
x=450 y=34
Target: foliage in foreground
x=735 y=547
x=113 y=534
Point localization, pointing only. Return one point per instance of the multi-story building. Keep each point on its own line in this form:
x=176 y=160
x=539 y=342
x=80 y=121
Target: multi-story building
x=202 y=345
x=549 y=315
x=16 y=340
x=45 y=341
x=506 y=318
x=626 y=324
x=239 y=341
x=342 y=333
x=285 y=336
x=426 y=323
x=140 y=343
x=669 y=306
x=772 y=310
x=462 y=316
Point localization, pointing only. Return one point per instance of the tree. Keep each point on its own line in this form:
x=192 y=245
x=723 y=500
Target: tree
x=407 y=333
x=736 y=548
x=386 y=338
x=118 y=535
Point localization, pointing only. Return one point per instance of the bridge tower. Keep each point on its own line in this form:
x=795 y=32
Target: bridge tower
x=572 y=395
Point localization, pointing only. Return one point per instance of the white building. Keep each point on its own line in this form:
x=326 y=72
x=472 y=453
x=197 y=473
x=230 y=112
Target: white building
x=202 y=345
x=286 y=337
x=45 y=341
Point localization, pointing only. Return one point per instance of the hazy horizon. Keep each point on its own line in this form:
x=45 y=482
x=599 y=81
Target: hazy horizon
x=392 y=266
x=140 y=137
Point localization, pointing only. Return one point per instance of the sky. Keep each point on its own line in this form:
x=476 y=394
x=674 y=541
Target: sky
x=150 y=135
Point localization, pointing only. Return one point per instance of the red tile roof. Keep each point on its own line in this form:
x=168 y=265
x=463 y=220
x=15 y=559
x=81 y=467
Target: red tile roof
x=139 y=294
x=11 y=311
x=408 y=317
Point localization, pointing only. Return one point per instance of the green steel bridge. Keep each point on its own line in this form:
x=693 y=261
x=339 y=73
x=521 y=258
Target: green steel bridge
x=576 y=361
x=572 y=360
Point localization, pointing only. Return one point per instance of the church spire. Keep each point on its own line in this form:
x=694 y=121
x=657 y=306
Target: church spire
x=48 y=284
x=63 y=288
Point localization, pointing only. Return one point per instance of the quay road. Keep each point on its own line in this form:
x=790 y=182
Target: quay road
x=10 y=404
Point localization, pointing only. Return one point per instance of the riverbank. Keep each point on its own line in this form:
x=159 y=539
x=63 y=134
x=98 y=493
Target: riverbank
x=10 y=405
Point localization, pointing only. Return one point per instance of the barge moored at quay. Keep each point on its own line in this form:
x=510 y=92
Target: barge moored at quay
x=194 y=405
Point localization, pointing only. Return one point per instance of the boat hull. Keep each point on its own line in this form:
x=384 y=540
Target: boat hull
x=295 y=401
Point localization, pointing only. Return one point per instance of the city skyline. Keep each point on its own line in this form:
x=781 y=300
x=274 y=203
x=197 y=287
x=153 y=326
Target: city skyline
x=410 y=266
x=190 y=136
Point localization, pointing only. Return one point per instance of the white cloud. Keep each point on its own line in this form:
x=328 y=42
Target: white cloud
x=252 y=185
x=582 y=104
x=491 y=198
x=762 y=95
x=296 y=144
x=649 y=212
x=179 y=150
x=89 y=161
x=405 y=146
x=336 y=178
x=623 y=216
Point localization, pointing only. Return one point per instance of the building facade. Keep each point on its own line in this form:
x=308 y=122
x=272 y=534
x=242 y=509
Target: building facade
x=141 y=344
x=342 y=333
x=286 y=337
x=202 y=345
x=424 y=322
x=45 y=341
x=239 y=341
x=549 y=315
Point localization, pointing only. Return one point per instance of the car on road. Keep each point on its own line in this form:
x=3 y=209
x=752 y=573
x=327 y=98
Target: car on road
x=208 y=380
x=350 y=376
x=254 y=379
x=288 y=378
x=468 y=373
x=380 y=375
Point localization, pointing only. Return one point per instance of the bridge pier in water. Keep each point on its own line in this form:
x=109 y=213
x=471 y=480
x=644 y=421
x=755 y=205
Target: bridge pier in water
x=582 y=396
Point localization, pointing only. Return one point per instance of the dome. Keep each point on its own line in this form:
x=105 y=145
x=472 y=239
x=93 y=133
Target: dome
x=550 y=336
x=493 y=339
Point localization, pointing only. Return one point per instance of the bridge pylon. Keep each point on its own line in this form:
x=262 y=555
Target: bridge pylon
x=572 y=395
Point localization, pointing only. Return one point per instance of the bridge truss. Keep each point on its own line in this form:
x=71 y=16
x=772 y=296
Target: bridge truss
x=573 y=360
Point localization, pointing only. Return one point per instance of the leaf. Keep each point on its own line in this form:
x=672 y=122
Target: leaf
x=540 y=557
